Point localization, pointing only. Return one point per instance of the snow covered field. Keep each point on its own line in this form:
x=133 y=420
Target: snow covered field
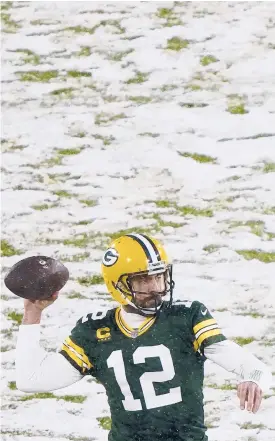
x=157 y=116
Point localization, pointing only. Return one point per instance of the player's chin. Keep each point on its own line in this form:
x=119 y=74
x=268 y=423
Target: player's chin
x=152 y=303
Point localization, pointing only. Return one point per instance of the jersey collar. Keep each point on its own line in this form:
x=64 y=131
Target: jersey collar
x=133 y=332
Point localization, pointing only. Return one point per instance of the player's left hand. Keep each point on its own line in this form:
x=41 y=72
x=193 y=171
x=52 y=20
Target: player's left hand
x=250 y=395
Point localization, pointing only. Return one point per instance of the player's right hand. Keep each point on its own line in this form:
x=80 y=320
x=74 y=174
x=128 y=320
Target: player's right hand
x=33 y=309
x=32 y=305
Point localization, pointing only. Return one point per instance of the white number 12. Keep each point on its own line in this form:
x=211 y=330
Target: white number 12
x=147 y=379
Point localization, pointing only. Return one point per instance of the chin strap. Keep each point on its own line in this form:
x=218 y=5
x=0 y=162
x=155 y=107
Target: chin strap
x=145 y=311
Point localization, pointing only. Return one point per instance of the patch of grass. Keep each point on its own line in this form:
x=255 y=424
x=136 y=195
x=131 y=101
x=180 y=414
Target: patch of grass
x=226 y=386
x=85 y=51
x=256 y=227
x=133 y=37
x=139 y=78
x=48 y=163
x=177 y=44
x=168 y=87
x=12 y=385
x=5 y=348
x=210 y=425
x=84 y=240
x=242 y=341
x=266 y=257
x=236 y=105
x=57 y=177
x=193 y=105
x=10 y=26
x=236 y=109
x=7 y=333
x=68 y=152
x=208 y=59
x=233 y=178
x=38 y=76
x=46 y=22
x=15 y=317
x=78 y=74
x=73 y=398
x=194 y=87
x=189 y=210
x=48 y=395
x=170 y=17
x=252 y=314
x=76 y=257
x=259 y=135
x=140 y=99
x=107 y=140
x=199 y=157
x=119 y=233
x=269 y=167
x=85 y=222
x=164 y=203
x=151 y=135
x=30 y=56
x=76 y=295
x=51 y=162
x=105 y=422
x=211 y=248
x=5 y=6
x=8 y=250
x=268 y=343
x=269 y=210
x=202 y=13
x=65 y=92
x=110 y=98
x=270 y=236
x=104 y=118
x=88 y=202
x=164 y=13
x=42 y=207
x=118 y=56
x=79 y=135
x=93 y=280
x=161 y=223
x=63 y=194
x=115 y=23
x=10 y=145
x=81 y=241
x=81 y=29
x=249 y=426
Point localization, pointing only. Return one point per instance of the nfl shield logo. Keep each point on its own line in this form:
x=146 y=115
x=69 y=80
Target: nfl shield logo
x=134 y=333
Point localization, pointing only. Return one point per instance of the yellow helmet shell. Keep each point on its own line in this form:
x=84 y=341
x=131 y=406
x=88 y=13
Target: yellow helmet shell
x=129 y=255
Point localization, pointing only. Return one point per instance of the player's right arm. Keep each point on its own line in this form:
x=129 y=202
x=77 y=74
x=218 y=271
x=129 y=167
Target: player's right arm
x=36 y=369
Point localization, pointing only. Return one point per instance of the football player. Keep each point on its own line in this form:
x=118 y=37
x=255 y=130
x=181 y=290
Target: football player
x=149 y=352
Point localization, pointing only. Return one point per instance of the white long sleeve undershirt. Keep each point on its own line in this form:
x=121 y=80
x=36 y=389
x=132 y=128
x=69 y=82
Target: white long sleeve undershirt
x=40 y=371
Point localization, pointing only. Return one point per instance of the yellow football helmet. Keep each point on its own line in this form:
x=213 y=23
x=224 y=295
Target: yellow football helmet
x=131 y=255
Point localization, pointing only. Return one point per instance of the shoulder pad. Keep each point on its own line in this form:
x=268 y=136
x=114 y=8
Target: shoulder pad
x=93 y=316
x=186 y=303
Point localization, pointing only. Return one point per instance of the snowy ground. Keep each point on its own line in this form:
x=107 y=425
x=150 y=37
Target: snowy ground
x=112 y=123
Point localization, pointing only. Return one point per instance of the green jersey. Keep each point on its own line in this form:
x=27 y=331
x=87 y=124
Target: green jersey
x=153 y=376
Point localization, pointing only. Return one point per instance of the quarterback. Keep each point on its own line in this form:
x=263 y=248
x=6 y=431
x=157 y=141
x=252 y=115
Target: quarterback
x=148 y=352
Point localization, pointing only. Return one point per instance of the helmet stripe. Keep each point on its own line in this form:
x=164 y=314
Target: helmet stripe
x=150 y=251
x=153 y=245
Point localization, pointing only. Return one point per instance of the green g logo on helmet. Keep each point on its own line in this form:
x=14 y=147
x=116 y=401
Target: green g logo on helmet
x=110 y=257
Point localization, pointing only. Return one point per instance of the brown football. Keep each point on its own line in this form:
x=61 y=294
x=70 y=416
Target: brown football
x=36 y=277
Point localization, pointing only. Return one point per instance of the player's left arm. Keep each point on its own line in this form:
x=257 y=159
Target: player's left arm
x=254 y=376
